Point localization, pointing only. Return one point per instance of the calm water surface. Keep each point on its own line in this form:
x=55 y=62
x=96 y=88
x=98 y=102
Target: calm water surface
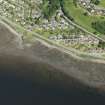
x=25 y=83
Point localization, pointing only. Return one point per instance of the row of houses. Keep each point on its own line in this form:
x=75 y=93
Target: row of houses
x=86 y=40
x=91 y=8
x=20 y=10
x=90 y=43
x=53 y=24
x=96 y=50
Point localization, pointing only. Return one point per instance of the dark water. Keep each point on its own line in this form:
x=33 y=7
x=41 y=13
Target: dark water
x=26 y=83
x=30 y=82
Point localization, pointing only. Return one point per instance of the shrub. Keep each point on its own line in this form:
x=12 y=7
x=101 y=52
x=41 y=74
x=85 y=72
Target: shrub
x=99 y=26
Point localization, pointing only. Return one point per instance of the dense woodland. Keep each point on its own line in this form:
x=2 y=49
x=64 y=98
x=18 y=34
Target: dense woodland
x=50 y=7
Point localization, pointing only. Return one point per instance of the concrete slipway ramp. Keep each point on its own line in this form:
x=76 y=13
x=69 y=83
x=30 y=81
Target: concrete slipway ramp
x=42 y=62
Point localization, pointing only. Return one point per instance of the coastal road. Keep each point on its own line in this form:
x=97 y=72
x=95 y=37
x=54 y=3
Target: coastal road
x=83 y=29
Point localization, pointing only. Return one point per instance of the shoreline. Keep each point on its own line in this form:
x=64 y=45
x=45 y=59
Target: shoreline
x=72 y=52
x=88 y=72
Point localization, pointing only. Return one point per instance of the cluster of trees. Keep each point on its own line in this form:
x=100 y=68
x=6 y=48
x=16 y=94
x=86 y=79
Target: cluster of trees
x=96 y=2
x=75 y=3
x=49 y=7
x=99 y=26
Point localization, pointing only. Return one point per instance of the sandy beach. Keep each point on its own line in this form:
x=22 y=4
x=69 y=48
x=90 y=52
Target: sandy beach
x=41 y=72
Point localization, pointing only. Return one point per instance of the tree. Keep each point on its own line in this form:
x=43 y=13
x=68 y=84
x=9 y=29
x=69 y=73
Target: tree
x=85 y=14
x=99 y=26
x=96 y=2
x=49 y=7
x=75 y=3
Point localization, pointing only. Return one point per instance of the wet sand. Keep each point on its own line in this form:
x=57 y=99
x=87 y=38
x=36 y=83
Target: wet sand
x=40 y=75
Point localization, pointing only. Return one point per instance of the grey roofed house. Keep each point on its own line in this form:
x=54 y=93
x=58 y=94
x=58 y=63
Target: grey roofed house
x=86 y=1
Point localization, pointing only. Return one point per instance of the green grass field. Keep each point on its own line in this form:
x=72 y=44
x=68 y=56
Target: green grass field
x=102 y=3
x=78 y=15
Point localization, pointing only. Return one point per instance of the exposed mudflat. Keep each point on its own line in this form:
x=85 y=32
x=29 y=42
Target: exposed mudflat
x=43 y=75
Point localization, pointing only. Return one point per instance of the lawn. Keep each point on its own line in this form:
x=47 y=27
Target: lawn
x=102 y=3
x=78 y=15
